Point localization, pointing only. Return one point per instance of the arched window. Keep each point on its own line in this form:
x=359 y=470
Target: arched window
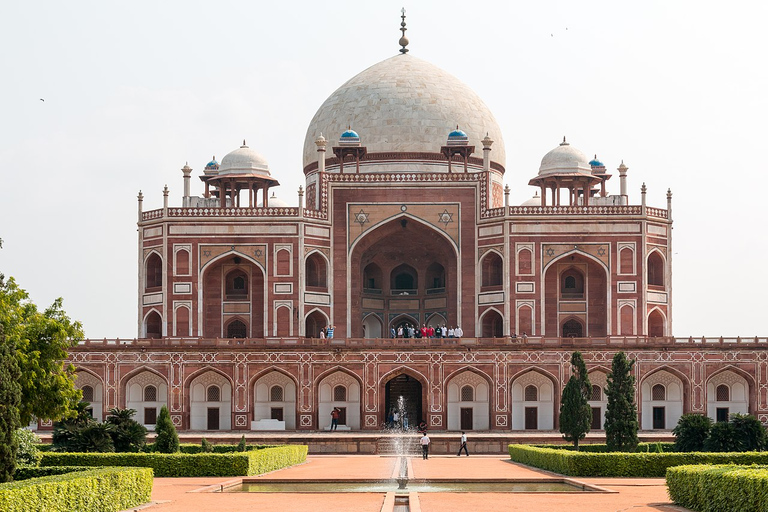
x=182 y=262
x=154 y=325
x=236 y=329
x=213 y=394
x=573 y=329
x=524 y=262
x=182 y=321
x=372 y=277
x=597 y=393
x=316 y=271
x=404 y=277
x=435 y=276
x=154 y=274
x=467 y=394
x=339 y=394
x=655 y=269
x=283 y=262
x=723 y=393
x=236 y=285
x=493 y=325
x=150 y=394
x=531 y=393
x=572 y=284
x=87 y=394
x=655 y=324
x=492 y=270
x=276 y=394
x=658 y=392
x=626 y=257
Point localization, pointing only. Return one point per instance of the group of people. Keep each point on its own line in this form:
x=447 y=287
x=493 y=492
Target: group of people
x=425 y=440
x=327 y=332
x=426 y=331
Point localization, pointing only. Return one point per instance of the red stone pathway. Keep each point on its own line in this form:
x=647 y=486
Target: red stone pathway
x=635 y=494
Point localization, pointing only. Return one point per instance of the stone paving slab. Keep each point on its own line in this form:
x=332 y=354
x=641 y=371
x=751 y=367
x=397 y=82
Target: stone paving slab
x=635 y=494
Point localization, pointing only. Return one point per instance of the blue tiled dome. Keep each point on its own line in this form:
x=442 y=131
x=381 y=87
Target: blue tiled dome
x=457 y=133
x=213 y=164
x=350 y=134
x=595 y=162
x=458 y=138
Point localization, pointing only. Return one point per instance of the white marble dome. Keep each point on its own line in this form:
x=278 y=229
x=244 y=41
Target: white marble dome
x=404 y=104
x=274 y=202
x=534 y=201
x=244 y=160
x=564 y=159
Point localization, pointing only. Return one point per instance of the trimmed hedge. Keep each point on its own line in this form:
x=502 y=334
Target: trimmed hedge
x=217 y=448
x=182 y=464
x=641 y=464
x=719 y=488
x=92 y=490
x=27 y=472
x=603 y=448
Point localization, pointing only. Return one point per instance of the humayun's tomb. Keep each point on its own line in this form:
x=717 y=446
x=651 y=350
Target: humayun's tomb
x=404 y=220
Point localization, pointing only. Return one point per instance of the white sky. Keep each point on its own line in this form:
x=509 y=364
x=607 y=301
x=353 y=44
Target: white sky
x=133 y=90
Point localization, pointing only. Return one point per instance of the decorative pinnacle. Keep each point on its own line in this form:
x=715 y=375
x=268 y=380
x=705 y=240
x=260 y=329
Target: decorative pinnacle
x=244 y=144
x=669 y=194
x=140 y=197
x=487 y=141
x=403 y=40
x=643 y=189
x=165 y=191
x=564 y=143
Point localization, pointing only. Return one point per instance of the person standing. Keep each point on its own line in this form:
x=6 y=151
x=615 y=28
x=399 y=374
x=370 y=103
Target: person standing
x=335 y=418
x=424 y=442
x=322 y=333
x=392 y=333
x=329 y=333
x=463 y=444
x=459 y=332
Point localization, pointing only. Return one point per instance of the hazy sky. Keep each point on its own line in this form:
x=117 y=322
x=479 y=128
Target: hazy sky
x=133 y=90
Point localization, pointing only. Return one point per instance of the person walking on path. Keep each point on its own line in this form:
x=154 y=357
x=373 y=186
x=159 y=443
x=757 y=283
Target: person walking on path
x=463 y=445
x=334 y=418
x=424 y=442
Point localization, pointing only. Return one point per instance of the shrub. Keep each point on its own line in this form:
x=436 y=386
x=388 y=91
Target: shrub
x=167 y=440
x=28 y=472
x=205 y=446
x=719 y=488
x=28 y=448
x=128 y=434
x=81 y=433
x=90 y=490
x=216 y=448
x=580 y=463
x=621 y=411
x=691 y=431
x=241 y=445
x=722 y=438
x=750 y=433
x=188 y=465
x=575 y=412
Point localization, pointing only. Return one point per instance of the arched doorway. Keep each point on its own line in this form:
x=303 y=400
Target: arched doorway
x=493 y=324
x=315 y=321
x=573 y=329
x=409 y=389
x=403 y=267
x=372 y=327
x=232 y=283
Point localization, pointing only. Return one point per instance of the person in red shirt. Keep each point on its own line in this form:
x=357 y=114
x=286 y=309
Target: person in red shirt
x=334 y=418
x=424 y=331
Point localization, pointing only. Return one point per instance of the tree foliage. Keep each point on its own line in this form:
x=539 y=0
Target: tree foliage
x=621 y=411
x=167 y=440
x=41 y=340
x=10 y=398
x=722 y=438
x=128 y=434
x=691 y=431
x=241 y=446
x=81 y=433
x=575 y=413
x=750 y=433
x=28 y=451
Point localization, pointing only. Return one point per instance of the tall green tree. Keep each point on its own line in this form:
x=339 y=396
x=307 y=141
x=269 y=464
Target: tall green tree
x=621 y=412
x=167 y=440
x=41 y=341
x=10 y=397
x=575 y=413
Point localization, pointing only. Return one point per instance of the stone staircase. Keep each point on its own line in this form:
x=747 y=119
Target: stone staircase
x=391 y=445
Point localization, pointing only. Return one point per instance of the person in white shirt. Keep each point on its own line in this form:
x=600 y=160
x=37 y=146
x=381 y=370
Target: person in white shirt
x=458 y=332
x=451 y=332
x=424 y=442
x=463 y=445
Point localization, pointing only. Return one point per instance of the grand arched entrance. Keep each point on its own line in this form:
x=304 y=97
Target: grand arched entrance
x=401 y=269
x=409 y=389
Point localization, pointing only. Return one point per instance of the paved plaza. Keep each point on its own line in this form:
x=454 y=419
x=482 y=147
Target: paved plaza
x=185 y=494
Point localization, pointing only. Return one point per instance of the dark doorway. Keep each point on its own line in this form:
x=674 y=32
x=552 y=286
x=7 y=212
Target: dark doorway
x=721 y=415
x=150 y=415
x=213 y=418
x=342 y=415
x=531 y=418
x=466 y=418
x=658 y=418
x=596 y=419
x=572 y=329
x=276 y=413
x=410 y=389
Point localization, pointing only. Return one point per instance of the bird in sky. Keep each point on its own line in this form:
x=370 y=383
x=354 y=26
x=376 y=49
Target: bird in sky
x=41 y=99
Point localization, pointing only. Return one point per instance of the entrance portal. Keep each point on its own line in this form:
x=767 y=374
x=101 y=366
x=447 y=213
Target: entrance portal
x=410 y=389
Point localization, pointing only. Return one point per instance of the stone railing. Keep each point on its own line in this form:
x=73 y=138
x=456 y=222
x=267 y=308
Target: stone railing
x=530 y=342
x=223 y=212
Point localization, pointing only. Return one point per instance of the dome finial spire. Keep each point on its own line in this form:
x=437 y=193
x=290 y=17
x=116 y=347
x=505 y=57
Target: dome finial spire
x=403 y=40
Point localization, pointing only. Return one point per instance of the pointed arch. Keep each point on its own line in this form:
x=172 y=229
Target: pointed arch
x=152 y=324
x=656 y=265
x=492 y=323
x=153 y=271
x=316 y=267
x=468 y=411
x=407 y=217
x=325 y=398
x=373 y=327
x=539 y=414
x=657 y=323
x=315 y=320
x=663 y=414
x=491 y=269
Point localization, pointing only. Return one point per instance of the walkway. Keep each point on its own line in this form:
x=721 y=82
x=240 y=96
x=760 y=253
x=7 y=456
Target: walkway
x=636 y=494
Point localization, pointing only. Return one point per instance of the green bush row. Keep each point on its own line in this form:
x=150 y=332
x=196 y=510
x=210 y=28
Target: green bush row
x=27 y=472
x=93 y=490
x=603 y=448
x=217 y=448
x=706 y=488
x=622 y=464
x=187 y=465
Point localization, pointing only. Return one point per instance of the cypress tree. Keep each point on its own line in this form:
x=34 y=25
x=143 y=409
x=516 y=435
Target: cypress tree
x=167 y=440
x=621 y=412
x=10 y=398
x=575 y=413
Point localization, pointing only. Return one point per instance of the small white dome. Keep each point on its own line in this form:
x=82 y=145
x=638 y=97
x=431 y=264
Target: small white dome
x=564 y=159
x=274 y=202
x=244 y=160
x=534 y=201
